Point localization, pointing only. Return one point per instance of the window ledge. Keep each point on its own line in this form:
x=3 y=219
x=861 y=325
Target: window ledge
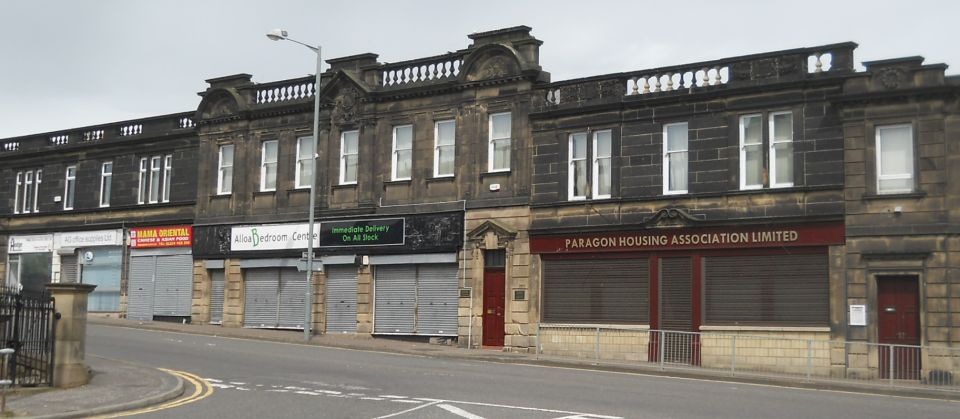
x=294 y=190
x=493 y=174
x=213 y=196
x=441 y=179
x=404 y=182
x=765 y=328
x=344 y=186
x=910 y=195
x=261 y=193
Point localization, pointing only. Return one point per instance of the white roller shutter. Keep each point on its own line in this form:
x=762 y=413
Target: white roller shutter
x=140 y=288
x=261 y=289
x=293 y=289
x=395 y=294
x=341 y=299
x=216 y=296
x=173 y=286
x=437 y=300
x=68 y=269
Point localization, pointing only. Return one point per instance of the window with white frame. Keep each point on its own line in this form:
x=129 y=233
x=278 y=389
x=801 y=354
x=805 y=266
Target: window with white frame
x=498 y=150
x=144 y=181
x=167 y=177
x=349 y=155
x=25 y=196
x=106 y=183
x=751 y=151
x=675 y=158
x=225 y=170
x=781 y=149
x=69 y=187
x=602 y=164
x=305 y=158
x=16 y=193
x=894 y=159
x=268 y=166
x=154 y=179
x=444 y=148
x=577 y=166
x=402 y=152
x=753 y=172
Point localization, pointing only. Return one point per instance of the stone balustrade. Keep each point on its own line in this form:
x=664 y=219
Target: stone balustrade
x=422 y=70
x=147 y=127
x=284 y=91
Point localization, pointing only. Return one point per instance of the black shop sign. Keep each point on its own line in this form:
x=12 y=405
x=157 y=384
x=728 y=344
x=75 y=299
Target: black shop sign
x=377 y=232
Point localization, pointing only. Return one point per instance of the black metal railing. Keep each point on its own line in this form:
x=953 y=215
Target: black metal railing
x=27 y=324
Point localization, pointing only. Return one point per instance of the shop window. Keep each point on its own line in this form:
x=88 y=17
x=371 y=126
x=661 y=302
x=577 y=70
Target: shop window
x=69 y=187
x=305 y=160
x=268 y=166
x=106 y=183
x=753 y=171
x=402 y=152
x=894 y=151
x=349 y=157
x=444 y=148
x=225 y=170
x=675 y=158
x=592 y=179
x=29 y=271
x=498 y=149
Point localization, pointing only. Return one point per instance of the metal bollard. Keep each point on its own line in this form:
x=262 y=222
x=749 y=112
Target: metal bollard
x=4 y=382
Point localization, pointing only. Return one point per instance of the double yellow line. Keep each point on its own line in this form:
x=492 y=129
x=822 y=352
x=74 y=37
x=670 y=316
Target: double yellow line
x=201 y=390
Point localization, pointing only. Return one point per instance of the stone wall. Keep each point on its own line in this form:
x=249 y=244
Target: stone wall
x=589 y=342
x=200 y=309
x=768 y=350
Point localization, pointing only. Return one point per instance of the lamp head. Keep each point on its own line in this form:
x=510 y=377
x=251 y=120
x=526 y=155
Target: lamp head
x=277 y=34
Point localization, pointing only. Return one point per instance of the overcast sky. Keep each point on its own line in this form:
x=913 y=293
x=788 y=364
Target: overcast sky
x=73 y=63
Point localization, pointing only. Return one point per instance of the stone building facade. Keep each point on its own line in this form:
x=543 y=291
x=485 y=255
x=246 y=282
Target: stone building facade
x=783 y=197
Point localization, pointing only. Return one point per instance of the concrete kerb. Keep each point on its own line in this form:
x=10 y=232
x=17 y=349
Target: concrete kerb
x=533 y=360
x=175 y=391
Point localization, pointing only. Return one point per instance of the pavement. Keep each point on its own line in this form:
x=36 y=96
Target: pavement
x=119 y=386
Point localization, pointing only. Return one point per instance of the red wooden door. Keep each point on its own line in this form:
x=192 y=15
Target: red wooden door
x=494 y=294
x=898 y=323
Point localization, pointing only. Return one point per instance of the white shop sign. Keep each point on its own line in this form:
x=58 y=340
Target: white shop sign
x=38 y=243
x=272 y=237
x=88 y=238
x=858 y=315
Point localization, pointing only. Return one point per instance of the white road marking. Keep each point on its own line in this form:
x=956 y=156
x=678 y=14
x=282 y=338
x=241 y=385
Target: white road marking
x=409 y=410
x=406 y=401
x=309 y=393
x=371 y=398
x=218 y=385
x=390 y=396
x=459 y=412
x=237 y=383
x=212 y=380
x=535 y=409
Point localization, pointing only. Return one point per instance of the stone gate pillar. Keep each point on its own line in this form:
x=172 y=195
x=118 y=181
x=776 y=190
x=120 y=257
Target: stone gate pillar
x=69 y=369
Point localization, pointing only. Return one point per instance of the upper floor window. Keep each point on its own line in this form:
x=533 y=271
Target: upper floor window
x=349 y=154
x=106 y=180
x=268 y=166
x=305 y=158
x=444 y=148
x=402 y=152
x=27 y=190
x=780 y=139
x=675 y=158
x=225 y=170
x=602 y=164
x=894 y=159
x=69 y=187
x=155 y=177
x=498 y=149
x=577 y=177
x=589 y=174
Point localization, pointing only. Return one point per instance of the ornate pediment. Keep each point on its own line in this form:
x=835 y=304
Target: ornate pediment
x=493 y=62
x=672 y=217
x=217 y=104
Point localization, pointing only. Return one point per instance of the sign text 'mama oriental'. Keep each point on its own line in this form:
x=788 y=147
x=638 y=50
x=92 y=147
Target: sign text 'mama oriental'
x=713 y=238
x=153 y=237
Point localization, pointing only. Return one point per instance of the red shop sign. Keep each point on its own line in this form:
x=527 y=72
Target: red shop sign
x=690 y=238
x=152 y=237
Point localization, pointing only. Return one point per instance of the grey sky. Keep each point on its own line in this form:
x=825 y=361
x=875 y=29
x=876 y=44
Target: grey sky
x=66 y=64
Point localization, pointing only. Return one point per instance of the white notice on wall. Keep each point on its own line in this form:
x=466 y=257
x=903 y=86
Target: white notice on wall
x=858 y=315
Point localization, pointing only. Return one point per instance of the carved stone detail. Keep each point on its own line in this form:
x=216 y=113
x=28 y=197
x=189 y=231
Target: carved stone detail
x=890 y=77
x=672 y=217
x=346 y=106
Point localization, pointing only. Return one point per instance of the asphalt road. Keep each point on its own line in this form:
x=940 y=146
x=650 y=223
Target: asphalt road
x=256 y=379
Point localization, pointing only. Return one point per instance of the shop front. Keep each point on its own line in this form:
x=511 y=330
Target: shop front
x=92 y=257
x=160 y=280
x=29 y=261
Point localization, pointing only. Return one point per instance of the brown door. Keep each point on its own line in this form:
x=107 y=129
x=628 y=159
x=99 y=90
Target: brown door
x=898 y=318
x=677 y=311
x=493 y=306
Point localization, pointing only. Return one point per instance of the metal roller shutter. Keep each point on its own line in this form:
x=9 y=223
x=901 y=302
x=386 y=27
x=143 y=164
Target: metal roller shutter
x=261 y=289
x=140 y=288
x=341 y=299
x=173 y=286
x=68 y=269
x=216 y=296
x=293 y=290
x=437 y=300
x=395 y=294
x=596 y=290
x=768 y=289
x=676 y=294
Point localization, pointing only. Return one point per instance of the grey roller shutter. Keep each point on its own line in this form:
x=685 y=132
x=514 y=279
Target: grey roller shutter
x=676 y=294
x=293 y=290
x=596 y=291
x=341 y=299
x=261 y=289
x=140 y=288
x=768 y=290
x=395 y=295
x=68 y=269
x=437 y=300
x=216 y=296
x=173 y=286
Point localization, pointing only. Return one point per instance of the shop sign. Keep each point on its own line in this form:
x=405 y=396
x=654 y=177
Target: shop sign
x=154 y=237
x=378 y=232
x=271 y=237
x=39 y=243
x=679 y=239
x=77 y=239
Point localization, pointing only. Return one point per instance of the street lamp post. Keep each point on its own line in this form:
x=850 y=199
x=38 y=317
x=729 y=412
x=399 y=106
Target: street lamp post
x=279 y=35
